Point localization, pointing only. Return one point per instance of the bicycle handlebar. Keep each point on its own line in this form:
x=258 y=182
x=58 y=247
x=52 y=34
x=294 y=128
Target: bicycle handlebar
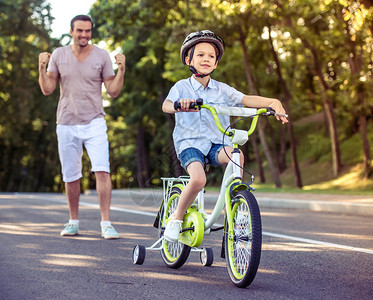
x=192 y=105
x=232 y=111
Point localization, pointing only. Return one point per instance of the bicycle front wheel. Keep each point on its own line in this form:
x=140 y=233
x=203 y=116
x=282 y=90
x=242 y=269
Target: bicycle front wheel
x=243 y=246
x=174 y=255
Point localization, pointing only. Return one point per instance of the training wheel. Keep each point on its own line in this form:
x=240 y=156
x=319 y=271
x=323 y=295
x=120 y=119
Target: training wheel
x=138 y=255
x=207 y=256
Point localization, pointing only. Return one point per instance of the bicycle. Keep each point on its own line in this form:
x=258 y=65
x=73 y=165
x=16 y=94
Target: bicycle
x=242 y=238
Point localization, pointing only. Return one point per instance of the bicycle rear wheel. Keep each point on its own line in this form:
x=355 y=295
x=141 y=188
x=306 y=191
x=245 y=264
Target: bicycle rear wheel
x=174 y=255
x=243 y=247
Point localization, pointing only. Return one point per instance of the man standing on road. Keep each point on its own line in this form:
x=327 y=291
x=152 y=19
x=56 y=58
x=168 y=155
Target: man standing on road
x=80 y=69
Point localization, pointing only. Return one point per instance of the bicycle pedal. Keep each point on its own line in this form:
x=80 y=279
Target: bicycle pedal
x=187 y=229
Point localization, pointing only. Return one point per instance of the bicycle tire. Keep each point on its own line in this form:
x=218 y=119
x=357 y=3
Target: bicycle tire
x=243 y=249
x=174 y=255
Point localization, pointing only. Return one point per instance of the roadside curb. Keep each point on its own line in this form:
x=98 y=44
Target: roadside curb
x=318 y=206
x=279 y=201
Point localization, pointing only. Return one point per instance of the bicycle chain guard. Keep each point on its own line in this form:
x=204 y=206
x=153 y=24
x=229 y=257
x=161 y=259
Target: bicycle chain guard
x=192 y=238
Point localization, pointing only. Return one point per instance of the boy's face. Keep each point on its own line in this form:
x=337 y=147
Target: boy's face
x=204 y=58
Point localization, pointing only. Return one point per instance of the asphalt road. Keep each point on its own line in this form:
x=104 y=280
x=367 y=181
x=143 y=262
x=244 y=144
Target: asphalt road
x=306 y=255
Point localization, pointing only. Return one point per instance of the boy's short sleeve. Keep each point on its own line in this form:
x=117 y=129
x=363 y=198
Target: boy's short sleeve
x=174 y=94
x=234 y=96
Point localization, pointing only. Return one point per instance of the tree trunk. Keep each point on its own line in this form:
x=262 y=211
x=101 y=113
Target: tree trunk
x=287 y=99
x=329 y=109
x=142 y=161
x=258 y=158
x=267 y=152
x=336 y=155
x=253 y=90
x=175 y=163
x=356 y=64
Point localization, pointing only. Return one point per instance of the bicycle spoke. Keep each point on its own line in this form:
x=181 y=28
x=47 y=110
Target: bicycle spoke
x=174 y=254
x=243 y=246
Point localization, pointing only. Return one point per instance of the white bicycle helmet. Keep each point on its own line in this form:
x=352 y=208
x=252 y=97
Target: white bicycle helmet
x=198 y=37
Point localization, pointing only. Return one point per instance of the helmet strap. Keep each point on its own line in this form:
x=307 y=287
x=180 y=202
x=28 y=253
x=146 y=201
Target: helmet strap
x=194 y=71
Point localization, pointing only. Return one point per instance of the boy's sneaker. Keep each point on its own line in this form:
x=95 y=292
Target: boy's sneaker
x=109 y=233
x=70 y=229
x=172 y=230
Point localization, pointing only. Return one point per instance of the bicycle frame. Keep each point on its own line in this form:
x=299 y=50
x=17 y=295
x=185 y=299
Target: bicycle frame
x=232 y=179
x=242 y=249
x=232 y=174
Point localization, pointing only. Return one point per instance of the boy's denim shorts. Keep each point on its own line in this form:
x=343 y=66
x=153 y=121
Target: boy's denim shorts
x=190 y=155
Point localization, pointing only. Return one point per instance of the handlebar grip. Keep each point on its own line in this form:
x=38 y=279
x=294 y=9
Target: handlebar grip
x=198 y=102
x=272 y=112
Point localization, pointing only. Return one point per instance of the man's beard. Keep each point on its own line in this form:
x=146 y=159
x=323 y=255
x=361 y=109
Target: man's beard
x=83 y=45
x=80 y=44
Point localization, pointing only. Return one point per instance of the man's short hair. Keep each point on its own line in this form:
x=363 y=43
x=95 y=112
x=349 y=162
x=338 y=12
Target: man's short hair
x=80 y=18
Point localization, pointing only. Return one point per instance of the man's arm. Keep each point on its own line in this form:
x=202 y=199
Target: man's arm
x=114 y=84
x=47 y=80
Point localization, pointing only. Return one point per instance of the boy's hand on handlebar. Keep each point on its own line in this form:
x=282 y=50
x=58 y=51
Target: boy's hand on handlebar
x=185 y=105
x=279 y=109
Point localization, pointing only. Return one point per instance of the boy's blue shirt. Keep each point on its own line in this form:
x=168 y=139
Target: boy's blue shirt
x=198 y=129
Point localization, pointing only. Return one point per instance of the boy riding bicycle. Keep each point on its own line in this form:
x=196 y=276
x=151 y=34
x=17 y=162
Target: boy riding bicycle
x=196 y=137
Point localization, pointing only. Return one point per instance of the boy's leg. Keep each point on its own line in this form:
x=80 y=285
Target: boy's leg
x=196 y=183
x=191 y=190
x=223 y=159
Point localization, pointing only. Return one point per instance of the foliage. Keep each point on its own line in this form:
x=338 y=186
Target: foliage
x=27 y=122
x=334 y=36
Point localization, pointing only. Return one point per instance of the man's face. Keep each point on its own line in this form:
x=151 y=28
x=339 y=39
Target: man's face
x=81 y=33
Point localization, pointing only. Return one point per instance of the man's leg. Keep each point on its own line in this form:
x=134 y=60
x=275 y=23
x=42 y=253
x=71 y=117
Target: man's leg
x=97 y=146
x=73 y=193
x=103 y=187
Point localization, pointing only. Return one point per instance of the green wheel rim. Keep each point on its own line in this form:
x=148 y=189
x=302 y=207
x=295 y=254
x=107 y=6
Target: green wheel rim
x=238 y=249
x=172 y=250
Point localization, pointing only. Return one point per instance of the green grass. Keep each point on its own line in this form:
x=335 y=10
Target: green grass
x=315 y=159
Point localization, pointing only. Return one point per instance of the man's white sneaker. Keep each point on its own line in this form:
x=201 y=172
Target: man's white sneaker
x=70 y=230
x=172 y=230
x=109 y=233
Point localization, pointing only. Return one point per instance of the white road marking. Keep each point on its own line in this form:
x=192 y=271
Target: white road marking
x=282 y=236
x=309 y=241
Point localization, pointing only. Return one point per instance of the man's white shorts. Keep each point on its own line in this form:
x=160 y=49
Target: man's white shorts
x=71 y=139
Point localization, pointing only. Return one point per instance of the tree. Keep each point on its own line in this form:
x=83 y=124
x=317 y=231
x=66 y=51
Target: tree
x=287 y=100
x=27 y=121
x=139 y=29
x=308 y=23
x=352 y=15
